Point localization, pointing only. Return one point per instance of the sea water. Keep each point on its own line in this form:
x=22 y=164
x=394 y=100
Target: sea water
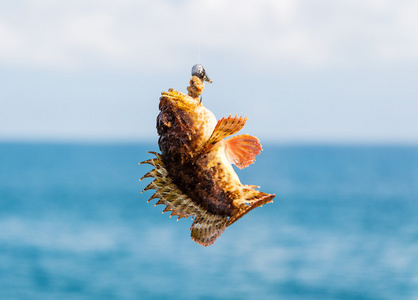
x=74 y=225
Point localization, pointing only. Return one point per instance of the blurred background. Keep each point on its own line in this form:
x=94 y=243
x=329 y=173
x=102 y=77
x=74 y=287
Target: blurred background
x=330 y=90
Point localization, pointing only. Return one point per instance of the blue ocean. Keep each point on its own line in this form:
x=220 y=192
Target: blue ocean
x=74 y=225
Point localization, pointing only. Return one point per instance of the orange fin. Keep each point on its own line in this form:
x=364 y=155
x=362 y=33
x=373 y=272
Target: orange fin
x=253 y=199
x=241 y=150
x=226 y=127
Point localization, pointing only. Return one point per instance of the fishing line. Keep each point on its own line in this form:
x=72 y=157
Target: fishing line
x=199 y=38
x=198 y=50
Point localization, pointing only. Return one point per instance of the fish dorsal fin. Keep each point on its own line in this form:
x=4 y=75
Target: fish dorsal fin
x=226 y=127
x=241 y=150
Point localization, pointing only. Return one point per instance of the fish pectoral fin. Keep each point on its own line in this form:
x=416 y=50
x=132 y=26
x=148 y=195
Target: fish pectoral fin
x=226 y=127
x=241 y=150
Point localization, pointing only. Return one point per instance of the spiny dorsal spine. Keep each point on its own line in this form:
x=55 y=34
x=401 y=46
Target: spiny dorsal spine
x=206 y=228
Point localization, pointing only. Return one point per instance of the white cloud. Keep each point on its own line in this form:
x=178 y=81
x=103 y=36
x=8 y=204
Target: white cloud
x=143 y=34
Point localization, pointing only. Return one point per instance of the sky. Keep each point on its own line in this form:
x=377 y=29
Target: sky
x=302 y=71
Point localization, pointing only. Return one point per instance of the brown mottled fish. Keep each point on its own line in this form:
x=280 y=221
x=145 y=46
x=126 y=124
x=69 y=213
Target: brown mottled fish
x=193 y=175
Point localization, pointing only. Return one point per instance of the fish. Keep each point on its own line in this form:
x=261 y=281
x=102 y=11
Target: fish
x=193 y=174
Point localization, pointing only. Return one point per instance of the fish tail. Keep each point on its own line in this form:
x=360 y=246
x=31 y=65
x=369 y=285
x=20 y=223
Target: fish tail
x=207 y=228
